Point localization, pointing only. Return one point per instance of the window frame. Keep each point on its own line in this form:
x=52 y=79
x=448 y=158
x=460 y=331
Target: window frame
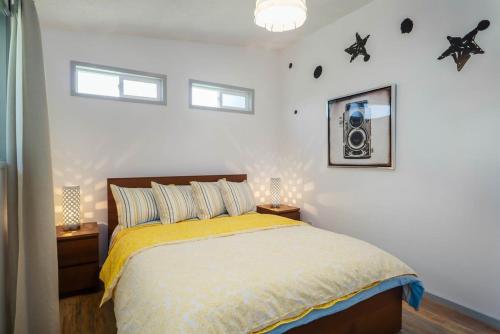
x=123 y=74
x=250 y=93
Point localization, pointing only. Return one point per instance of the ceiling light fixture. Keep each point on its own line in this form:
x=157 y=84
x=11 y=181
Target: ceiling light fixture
x=280 y=15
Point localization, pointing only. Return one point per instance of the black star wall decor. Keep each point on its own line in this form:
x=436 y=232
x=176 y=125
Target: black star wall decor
x=358 y=48
x=462 y=48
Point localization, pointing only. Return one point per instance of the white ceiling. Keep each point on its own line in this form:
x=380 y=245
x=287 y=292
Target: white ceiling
x=227 y=22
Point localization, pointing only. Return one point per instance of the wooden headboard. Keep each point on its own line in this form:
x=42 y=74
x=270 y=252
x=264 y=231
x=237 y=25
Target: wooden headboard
x=145 y=182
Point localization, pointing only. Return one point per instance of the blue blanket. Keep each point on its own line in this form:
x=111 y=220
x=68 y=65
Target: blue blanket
x=413 y=291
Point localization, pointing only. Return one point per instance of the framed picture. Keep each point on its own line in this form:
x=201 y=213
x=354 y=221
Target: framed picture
x=361 y=129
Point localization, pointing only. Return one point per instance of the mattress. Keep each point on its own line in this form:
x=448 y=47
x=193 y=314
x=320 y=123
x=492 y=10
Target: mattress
x=248 y=274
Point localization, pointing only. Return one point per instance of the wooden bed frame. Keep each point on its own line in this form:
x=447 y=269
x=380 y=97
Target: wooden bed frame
x=380 y=314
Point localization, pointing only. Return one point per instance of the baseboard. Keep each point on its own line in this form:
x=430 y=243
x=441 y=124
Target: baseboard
x=490 y=321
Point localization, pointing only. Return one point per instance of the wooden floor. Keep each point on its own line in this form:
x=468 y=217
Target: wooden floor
x=81 y=314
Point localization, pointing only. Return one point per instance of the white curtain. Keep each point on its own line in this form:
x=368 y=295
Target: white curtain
x=32 y=285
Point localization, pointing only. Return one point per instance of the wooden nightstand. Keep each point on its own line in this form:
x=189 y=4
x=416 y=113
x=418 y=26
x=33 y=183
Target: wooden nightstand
x=78 y=257
x=283 y=211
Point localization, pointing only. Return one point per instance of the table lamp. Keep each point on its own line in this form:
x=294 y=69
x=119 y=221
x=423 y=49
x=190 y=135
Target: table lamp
x=71 y=208
x=275 y=192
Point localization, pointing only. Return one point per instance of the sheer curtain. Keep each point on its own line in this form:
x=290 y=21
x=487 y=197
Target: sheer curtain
x=3 y=184
x=31 y=254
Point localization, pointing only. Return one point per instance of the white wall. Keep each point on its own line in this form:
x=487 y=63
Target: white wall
x=439 y=210
x=93 y=139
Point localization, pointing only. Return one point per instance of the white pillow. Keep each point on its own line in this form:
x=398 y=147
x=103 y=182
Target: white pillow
x=135 y=206
x=208 y=199
x=238 y=197
x=175 y=203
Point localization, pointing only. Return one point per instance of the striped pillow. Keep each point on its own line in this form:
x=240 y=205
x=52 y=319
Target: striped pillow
x=175 y=203
x=208 y=199
x=135 y=206
x=237 y=196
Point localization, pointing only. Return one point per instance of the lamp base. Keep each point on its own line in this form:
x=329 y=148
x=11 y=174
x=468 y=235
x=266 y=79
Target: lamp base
x=71 y=227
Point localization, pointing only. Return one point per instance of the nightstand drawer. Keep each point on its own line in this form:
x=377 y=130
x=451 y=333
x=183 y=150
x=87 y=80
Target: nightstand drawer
x=75 y=278
x=291 y=215
x=82 y=251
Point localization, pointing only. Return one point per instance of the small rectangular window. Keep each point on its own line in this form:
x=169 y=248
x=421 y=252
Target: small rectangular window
x=117 y=84
x=212 y=96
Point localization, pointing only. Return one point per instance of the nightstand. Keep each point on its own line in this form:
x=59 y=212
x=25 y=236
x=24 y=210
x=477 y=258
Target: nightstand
x=78 y=257
x=287 y=211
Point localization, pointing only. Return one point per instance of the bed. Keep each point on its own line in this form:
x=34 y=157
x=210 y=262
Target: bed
x=254 y=274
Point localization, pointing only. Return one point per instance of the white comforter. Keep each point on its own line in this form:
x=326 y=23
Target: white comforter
x=245 y=282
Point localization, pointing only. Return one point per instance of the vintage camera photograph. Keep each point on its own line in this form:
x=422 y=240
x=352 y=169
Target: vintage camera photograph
x=361 y=129
x=357 y=132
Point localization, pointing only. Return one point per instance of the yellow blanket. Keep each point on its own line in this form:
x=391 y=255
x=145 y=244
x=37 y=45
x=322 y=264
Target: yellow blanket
x=131 y=241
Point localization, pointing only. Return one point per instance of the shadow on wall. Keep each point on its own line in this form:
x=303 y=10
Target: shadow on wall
x=260 y=166
x=91 y=174
x=92 y=193
x=295 y=189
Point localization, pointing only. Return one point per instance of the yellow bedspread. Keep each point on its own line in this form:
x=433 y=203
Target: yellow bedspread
x=187 y=278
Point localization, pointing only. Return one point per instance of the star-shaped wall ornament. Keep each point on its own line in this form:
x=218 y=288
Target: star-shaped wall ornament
x=462 y=48
x=358 y=48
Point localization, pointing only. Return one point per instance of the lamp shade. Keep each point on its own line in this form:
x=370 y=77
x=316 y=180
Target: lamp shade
x=71 y=207
x=275 y=189
x=280 y=15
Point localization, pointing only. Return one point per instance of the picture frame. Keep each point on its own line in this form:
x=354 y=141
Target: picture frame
x=362 y=129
